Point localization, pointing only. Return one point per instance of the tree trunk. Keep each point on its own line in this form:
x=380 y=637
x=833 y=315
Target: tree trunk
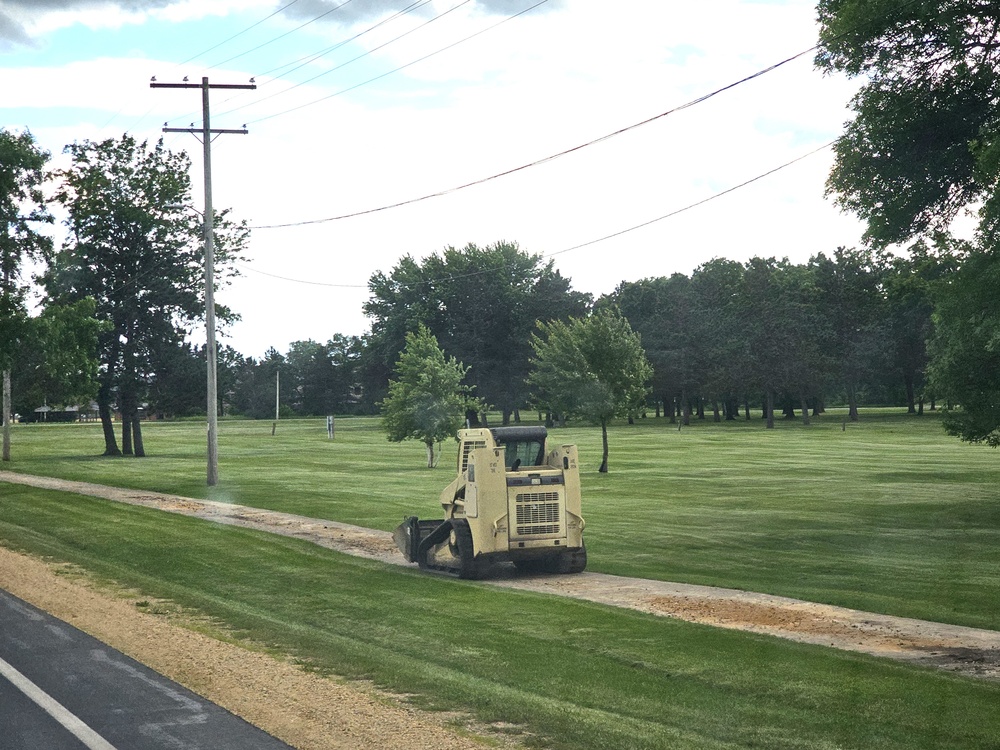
x=471 y=418
x=910 y=397
x=852 y=402
x=127 y=410
x=140 y=450
x=104 y=409
x=716 y=417
x=430 y=453
x=6 y=415
x=604 y=440
x=805 y=409
x=686 y=406
x=746 y=408
x=769 y=409
x=788 y=408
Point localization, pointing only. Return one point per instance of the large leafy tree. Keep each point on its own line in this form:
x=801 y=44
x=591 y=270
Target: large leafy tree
x=480 y=303
x=924 y=145
x=925 y=140
x=427 y=399
x=323 y=376
x=22 y=211
x=783 y=332
x=912 y=283
x=592 y=367
x=852 y=312
x=966 y=349
x=141 y=261
x=57 y=359
x=661 y=310
x=254 y=383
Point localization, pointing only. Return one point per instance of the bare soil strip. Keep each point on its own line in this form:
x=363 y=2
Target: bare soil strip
x=967 y=651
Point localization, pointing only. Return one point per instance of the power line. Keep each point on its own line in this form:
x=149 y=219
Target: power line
x=353 y=59
x=312 y=57
x=401 y=67
x=546 y=159
x=282 y=36
x=619 y=233
x=305 y=60
x=552 y=157
x=239 y=33
x=301 y=281
x=302 y=61
x=695 y=204
x=259 y=46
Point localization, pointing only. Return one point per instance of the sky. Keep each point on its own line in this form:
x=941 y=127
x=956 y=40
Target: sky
x=364 y=104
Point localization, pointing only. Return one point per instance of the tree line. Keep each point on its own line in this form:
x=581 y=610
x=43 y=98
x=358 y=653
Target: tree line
x=853 y=327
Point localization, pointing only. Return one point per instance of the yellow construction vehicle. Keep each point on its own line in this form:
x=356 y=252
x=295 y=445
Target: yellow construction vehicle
x=515 y=499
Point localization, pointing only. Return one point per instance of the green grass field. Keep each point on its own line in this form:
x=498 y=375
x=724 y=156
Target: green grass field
x=888 y=515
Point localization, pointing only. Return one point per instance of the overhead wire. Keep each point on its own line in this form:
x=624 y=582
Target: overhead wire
x=303 y=61
x=282 y=36
x=551 y=157
x=239 y=33
x=531 y=164
x=554 y=156
x=312 y=57
x=588 y=243
x=353 y=59
x=204 y=52
x=604 y=238
x=401 y=67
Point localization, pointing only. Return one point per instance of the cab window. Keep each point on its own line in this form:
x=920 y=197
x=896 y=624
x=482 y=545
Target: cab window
x=523 y=454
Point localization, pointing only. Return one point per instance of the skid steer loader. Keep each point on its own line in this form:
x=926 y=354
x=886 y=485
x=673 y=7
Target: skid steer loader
x=514 y=499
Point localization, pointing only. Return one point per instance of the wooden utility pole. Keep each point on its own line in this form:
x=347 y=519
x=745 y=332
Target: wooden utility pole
x=206 y=131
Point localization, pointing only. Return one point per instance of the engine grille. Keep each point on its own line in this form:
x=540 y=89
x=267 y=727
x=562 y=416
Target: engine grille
x=537 y=513
x=470 y=446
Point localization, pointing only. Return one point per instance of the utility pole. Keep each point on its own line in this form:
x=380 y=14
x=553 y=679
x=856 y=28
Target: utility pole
x=277 y=396
x=206 y=132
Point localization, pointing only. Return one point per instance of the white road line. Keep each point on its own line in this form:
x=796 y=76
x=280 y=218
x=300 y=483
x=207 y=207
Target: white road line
x=47 y=703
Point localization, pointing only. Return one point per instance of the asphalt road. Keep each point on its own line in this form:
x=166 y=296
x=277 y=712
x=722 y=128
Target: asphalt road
x=60 y=689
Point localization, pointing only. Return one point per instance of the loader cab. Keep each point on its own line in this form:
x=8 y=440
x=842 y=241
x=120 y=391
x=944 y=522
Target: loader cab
x=523 y=446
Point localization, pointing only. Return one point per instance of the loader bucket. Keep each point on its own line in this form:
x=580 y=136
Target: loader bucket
x=415 y=538
x=407 y=538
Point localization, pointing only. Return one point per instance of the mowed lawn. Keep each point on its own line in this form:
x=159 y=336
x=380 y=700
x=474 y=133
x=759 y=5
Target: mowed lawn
x=563 y=674
x=887 y=515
